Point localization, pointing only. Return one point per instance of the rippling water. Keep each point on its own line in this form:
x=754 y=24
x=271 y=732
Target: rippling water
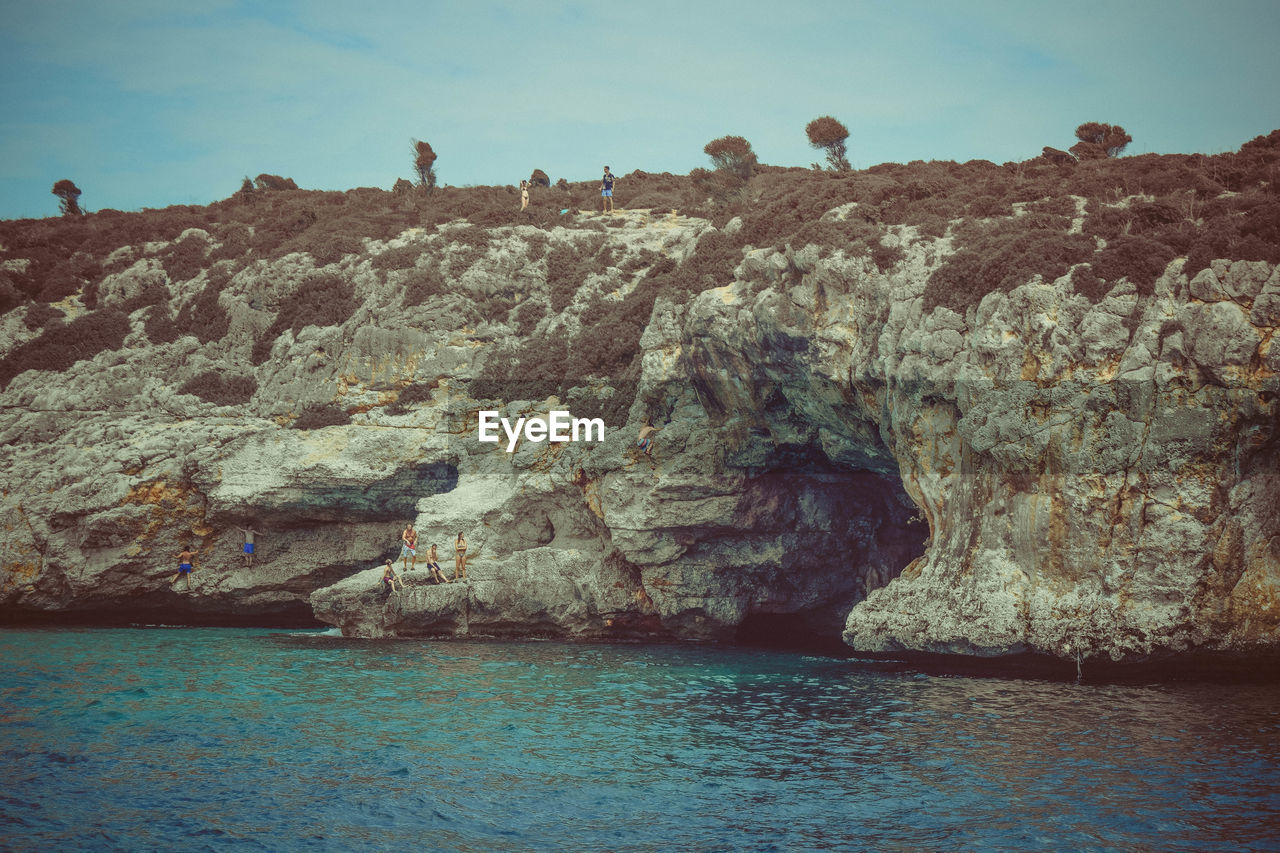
x=191 y=739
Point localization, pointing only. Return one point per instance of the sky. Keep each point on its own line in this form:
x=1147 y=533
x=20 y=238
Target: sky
x=147 y=103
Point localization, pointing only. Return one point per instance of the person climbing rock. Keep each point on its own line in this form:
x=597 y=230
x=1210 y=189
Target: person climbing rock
x=249 y=533
x=186 y=565
x=645 y=442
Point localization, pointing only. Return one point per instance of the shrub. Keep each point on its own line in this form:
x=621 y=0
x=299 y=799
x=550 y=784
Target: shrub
x=41 y=314
x=274 y=182
x=566 y=271
x=68 y=198
x=63 y=344
x=203 y=316
x=213 y=387
x=1138 y=259
x=732 y=154
x=186 y=258
x=322 y=300
x=829 y=135
x=1099 y=140
x=1001 y=262
x=160 y=327
x=419 y=392
x=539 y=178
x=321 y=415
x=10 y=296
x=423 y=163
x=424 y=283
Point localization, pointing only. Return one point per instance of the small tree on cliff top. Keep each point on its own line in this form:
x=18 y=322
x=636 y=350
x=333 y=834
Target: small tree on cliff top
x=732 y=154
x=539 y=178
x=828 y=134
x=1099 y=141
x=69 y=194
x=423 y=163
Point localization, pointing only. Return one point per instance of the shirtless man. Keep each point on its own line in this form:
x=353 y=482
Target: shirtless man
x=185 y=560
x=645 y=443
x=249 y=533
x=433 y=566
x=409 y=550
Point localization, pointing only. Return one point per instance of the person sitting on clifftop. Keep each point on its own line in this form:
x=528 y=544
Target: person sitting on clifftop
x=433 y=566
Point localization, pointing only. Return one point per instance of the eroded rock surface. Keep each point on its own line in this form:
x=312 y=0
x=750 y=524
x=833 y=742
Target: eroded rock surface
x=1042 y=474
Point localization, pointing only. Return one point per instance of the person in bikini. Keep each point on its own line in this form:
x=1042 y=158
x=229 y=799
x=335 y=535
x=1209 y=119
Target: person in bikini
x=524 y=194
x=186 y=559
x=460 y=561
x=409 y=548
x=433 y=566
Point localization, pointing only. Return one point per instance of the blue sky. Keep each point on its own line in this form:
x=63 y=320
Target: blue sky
x=146 y=103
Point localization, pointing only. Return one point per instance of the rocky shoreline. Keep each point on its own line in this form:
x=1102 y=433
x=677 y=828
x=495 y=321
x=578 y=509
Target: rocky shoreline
x=1042 y=475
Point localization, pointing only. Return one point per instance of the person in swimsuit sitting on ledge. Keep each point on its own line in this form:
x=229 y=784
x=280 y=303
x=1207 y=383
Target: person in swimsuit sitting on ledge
x=185 y=560
x=390 y=576
x=433 y=566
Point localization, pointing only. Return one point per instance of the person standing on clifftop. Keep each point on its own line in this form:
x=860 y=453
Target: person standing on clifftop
x=249 y=533
x=524 y=194
x=185 y=560
x=606 y=191
x=409 y=548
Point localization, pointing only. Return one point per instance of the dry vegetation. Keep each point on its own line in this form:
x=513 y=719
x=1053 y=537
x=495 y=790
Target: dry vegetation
x=1008 y=223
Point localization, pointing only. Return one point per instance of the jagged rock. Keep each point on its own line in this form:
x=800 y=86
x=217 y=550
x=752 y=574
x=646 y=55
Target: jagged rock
x=1036 y=474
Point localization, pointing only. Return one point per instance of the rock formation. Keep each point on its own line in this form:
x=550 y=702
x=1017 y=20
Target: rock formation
x=1044 y=472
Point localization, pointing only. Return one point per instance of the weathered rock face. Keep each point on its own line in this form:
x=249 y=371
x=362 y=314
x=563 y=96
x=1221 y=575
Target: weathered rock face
x=1044 y=474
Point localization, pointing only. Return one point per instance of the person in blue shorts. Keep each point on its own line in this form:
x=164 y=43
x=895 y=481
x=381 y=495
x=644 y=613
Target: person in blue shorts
x=644 y=441
x=606 y=191
x=249 y=533
x=186 y=559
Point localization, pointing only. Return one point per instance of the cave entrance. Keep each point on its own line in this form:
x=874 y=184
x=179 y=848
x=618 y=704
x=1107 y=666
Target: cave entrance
x=841 y=532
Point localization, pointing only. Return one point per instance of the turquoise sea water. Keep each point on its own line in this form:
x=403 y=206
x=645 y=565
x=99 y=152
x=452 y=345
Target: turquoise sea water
x=215 y=739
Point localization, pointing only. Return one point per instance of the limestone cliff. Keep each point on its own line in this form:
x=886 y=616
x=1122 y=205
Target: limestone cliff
x=1039 y=469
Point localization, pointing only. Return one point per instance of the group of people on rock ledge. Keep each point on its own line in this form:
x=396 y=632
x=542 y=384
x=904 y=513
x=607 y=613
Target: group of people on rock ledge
x=409 y=556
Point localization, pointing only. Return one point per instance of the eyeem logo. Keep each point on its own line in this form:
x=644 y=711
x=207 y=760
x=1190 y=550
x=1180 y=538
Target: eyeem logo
x=558 y=426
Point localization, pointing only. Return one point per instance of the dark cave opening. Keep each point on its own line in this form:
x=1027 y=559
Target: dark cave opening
x=843 y=531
